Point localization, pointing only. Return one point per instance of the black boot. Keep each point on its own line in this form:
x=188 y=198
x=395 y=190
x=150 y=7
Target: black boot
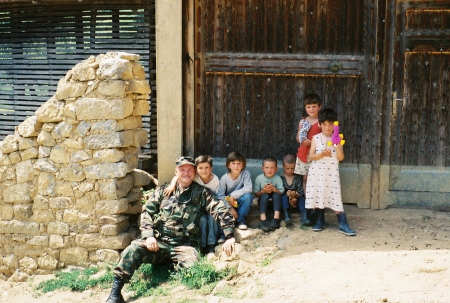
x=320 y=223
x=287 y=217
x=304 y=218
x=343 y=225
x=116 y=296
x=274 y=224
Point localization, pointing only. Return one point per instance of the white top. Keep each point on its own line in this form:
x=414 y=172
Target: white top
x=212 y=185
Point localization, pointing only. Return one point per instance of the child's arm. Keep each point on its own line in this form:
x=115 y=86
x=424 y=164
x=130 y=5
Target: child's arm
x=340 y=152
x=169 y=189
x=315 y=157
x=297 y=136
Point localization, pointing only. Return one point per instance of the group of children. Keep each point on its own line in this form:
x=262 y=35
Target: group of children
x=314 y=171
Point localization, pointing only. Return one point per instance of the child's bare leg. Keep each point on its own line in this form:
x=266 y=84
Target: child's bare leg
x=276 y=214
x=262 y=217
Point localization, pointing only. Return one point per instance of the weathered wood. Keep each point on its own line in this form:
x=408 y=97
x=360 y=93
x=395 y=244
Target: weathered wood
x=283 y=63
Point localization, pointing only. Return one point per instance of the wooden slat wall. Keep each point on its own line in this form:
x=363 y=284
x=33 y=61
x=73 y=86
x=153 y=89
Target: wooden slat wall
x=259 y=58
x=424 y=128
x=39 y=43
x=283 y=26
x=258 y=114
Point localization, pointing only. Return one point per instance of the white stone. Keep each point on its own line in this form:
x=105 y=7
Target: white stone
x=103 y=109
x=30 y=127
x=106 y=170
x=51 y=111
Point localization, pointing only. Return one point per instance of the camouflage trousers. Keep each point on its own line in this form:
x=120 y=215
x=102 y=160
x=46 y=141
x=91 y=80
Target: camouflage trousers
x=137 y=253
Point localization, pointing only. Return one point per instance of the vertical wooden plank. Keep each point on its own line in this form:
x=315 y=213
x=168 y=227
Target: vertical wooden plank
x=219 y=119
x=240 y=23
x=189 y=78
x=230 y=25
x=219 y=27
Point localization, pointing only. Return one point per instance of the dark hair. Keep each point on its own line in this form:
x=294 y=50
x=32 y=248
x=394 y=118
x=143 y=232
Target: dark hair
x=235 y=156
x=312 y=99
x=270 y=159
x=289 y=159
x=204 y=159
x=327 y=114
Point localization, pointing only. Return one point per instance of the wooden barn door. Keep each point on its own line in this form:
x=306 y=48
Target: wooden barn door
x=255 y=60
x=420 y=146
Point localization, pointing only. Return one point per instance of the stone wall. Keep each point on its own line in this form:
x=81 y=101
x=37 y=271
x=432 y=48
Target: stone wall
x=68 y=178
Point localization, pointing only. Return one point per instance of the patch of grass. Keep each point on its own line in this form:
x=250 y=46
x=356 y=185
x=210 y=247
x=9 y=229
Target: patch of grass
x=148 y=279
x=77 y=280
x=267 y=261
x=203 y=275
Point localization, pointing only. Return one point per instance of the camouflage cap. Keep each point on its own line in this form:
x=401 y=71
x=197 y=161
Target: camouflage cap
x=185 y=160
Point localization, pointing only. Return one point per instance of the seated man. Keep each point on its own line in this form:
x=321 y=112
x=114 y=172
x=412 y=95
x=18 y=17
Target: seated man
x=170 y=227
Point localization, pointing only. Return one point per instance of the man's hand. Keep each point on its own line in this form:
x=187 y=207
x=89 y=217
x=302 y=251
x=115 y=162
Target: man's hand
x=152 y=244
x=234 y=213
x=228 y=246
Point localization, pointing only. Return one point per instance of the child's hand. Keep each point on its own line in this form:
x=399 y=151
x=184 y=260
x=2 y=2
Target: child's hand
x=231 y=201
x=234 y=213
x=326 y=153
x=268 y=188
x=168 y=190
x=306 y=142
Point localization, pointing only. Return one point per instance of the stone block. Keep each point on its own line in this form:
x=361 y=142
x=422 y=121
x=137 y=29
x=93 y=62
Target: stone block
x=112 y=88
x=73 y=172
x=114 y=229
x=23 y=212
x=30 y=127
x=39 y=241
x=47 y=262
x=105 y=127
x=106 y=170
x=58 y=228
x=24 y=171
x=97 y=241
x=103 y=109
x=75 y=256
x=31 y=153
x=51 y=111
x=138 y=71
x=70 y=89
x=6 y=212
x=18 y=227
x=108 y=156
x=18 y=193
x=46 y=183
x=115 y=68
x=10 y=144
x=132 y=122
x=45 y=165
x=45 y=139
x=61 y=202
x=59 y=155
x=111 y=207
x=26 y=143
x=107 y=256
x=103 y=141
x=141 y=107
x=139 y=87
x=61 y=130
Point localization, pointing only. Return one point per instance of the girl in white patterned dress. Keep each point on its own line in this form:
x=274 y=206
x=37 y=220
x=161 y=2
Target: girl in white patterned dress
x=323 y=189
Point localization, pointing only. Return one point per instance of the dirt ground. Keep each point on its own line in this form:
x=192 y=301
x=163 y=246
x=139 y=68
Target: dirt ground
x=398 y=255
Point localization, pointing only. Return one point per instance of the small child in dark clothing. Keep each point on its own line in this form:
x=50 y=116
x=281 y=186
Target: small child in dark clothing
x=293 y=194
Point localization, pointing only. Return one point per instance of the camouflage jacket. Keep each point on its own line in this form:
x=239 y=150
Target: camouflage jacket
x=175 y=219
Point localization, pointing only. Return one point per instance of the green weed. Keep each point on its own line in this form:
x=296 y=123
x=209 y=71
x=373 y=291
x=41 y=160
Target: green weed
x=76 y=280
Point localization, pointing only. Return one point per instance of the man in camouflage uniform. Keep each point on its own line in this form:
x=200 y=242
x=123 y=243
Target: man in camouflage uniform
x=170 y=227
